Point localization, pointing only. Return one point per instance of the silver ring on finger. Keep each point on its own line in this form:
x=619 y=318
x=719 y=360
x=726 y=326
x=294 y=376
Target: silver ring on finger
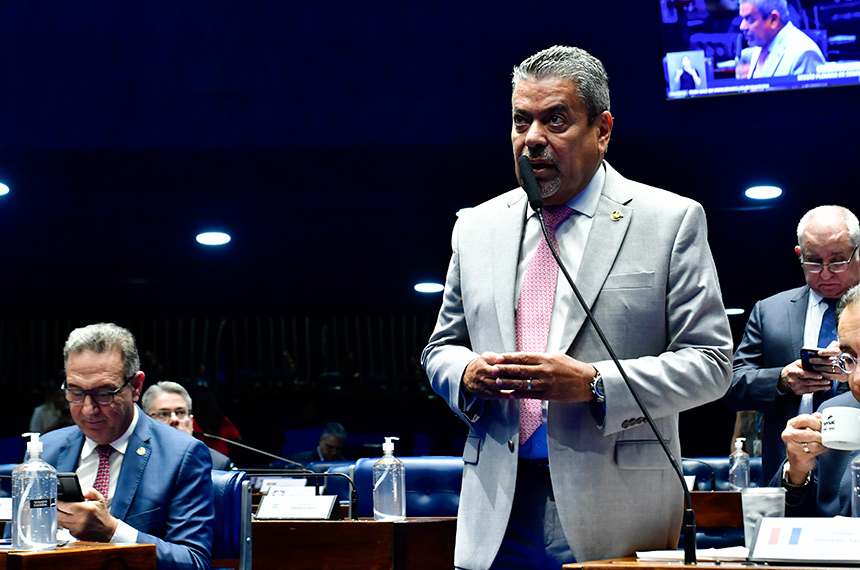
x=529 y=384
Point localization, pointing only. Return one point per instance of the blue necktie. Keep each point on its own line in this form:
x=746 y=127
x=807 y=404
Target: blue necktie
x=827 y=332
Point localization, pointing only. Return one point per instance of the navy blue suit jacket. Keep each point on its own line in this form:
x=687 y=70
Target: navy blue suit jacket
x=772 y=339
x=164 y=489
x=829 y=492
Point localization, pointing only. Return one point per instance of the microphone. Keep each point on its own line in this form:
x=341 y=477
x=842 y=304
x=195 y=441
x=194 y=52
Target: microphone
x=299 y=466
x=710 y=468
x=301 y=471
x=536 y=201
x=530 y=185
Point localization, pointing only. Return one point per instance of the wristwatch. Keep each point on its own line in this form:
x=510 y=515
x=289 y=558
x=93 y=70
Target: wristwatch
x=789 y=486
x=597 y=388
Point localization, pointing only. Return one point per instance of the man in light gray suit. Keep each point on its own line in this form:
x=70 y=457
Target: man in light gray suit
x=777 y=47
x=592 y=481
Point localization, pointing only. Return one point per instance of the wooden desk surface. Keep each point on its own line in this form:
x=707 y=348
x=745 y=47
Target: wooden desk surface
x=413 y=544
x=633 y=564
x=82 y=555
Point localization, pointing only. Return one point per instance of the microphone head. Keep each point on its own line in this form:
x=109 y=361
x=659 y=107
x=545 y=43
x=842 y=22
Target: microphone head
x=530 y=185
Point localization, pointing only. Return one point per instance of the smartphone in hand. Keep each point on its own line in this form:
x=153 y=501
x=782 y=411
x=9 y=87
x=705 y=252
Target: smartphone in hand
x=806 y=354
x=69 y=488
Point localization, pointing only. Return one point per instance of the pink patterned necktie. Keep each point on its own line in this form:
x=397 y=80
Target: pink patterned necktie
x=534 y=310
x=102 y=483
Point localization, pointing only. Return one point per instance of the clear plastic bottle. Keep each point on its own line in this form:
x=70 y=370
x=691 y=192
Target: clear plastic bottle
x=739 y=467
x=389 y=485
x=34 y=501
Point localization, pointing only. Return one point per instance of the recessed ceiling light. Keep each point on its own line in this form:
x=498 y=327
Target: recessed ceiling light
x=3 y=189
x=429 y=287
x=734 y=311
x=213 y=238
x=763 y=192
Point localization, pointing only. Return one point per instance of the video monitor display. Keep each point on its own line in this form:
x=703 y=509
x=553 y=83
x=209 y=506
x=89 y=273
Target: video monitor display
x=720 y=47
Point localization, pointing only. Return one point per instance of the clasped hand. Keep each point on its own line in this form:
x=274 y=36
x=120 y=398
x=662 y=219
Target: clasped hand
x=89 y=519
x=542 y=376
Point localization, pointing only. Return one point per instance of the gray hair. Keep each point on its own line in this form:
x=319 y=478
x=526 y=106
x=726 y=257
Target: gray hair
x=849 y=299
x=851 y=223
x=104 y=337
x=334 y=429
x=765 y=7
x=163 y=387
x=563 y=62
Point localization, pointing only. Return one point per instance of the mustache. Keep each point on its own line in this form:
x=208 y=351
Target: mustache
x=542 y=154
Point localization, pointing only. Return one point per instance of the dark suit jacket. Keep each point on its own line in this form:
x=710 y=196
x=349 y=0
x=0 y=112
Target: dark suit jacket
x=772 y=339
x=164 y=489
x=829 y=492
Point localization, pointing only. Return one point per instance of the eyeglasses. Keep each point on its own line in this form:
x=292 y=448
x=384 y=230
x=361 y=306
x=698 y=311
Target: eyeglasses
x=164 y=415
x=100 y=397
x=835 y=267
x=846 y=362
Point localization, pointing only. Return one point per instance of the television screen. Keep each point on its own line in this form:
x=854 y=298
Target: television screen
x=719 y=47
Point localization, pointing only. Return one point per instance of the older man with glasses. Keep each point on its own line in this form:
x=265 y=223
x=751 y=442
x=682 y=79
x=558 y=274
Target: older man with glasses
x=769 y=375
x=144 y=481
x=170 y=403
x=818 y=480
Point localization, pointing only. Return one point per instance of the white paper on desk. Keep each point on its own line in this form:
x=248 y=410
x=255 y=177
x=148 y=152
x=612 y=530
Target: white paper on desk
x=5 y=508
x=281 y=482
x=730 y=554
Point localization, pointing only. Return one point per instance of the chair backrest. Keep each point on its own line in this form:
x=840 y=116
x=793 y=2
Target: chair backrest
x=232 y=495
x=432 y=485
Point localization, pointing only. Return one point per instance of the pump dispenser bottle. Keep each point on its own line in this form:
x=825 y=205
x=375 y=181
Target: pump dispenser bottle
x=34 y=501
x=739 y=467
x=389 y=485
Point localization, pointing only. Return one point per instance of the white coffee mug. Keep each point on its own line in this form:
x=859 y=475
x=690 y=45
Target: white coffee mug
x=840 y=428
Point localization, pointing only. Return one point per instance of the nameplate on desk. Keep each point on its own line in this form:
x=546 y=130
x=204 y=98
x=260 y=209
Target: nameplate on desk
x=286 y=507
x=810 y=540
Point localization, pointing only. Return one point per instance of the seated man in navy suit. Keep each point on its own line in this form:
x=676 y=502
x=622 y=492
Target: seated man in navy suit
x=144 y=481
x=817 y=479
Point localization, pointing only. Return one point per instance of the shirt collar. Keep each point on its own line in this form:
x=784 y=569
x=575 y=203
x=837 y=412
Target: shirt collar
x=586 y=201
x=119 y=444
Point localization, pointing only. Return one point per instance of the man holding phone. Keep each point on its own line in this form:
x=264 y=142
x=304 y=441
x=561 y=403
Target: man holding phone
x=769 y=372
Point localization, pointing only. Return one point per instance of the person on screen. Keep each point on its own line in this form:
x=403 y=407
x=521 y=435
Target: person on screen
x=687 y=77
x=144 y=481
x=170 y=403
x=768 y=373
x=559 y=464
x=778 y=47
x=818 y=480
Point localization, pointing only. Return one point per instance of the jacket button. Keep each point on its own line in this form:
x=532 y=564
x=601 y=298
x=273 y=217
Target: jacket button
x=511 y=445
x=625 y=424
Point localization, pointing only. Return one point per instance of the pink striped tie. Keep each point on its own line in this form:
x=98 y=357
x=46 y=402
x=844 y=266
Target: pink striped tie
x=534 y=310
x=102 y=484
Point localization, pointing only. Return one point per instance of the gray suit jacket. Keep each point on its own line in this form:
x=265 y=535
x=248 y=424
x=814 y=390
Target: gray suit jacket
x=650 y=281
x=772 y=339
x=792 y=52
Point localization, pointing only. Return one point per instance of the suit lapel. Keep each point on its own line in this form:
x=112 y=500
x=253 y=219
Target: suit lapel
x=137 y=454
x=508 y=235
x=604 y=241
x=797 y=320
x=70 y=452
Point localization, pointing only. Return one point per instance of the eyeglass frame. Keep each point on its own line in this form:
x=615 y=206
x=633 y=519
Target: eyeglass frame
x=186 y=413
x=840 y=361
x=809 y=265
x=96 y=393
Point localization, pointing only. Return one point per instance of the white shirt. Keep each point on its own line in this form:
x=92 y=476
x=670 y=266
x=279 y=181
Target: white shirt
x=88 y=466
x=815 y=308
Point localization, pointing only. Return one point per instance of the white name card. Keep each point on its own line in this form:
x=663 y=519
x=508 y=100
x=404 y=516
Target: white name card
x=6 y=509
x=807 y=540
x=281 y=491
x=286 y=507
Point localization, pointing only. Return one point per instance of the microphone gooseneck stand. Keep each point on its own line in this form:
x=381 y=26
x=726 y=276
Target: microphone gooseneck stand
x=536 y=202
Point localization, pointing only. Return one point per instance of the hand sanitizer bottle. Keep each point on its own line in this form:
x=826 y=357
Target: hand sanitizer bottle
x=34 y=501
x=389 y=485
x=739 y=467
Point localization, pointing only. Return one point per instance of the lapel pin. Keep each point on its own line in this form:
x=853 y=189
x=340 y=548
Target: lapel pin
x=141 y=451
x=616 y=215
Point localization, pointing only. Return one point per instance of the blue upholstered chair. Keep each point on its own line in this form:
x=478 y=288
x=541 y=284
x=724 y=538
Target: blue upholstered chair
x=432 y=485
x=712 y=473
x=232 y=495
